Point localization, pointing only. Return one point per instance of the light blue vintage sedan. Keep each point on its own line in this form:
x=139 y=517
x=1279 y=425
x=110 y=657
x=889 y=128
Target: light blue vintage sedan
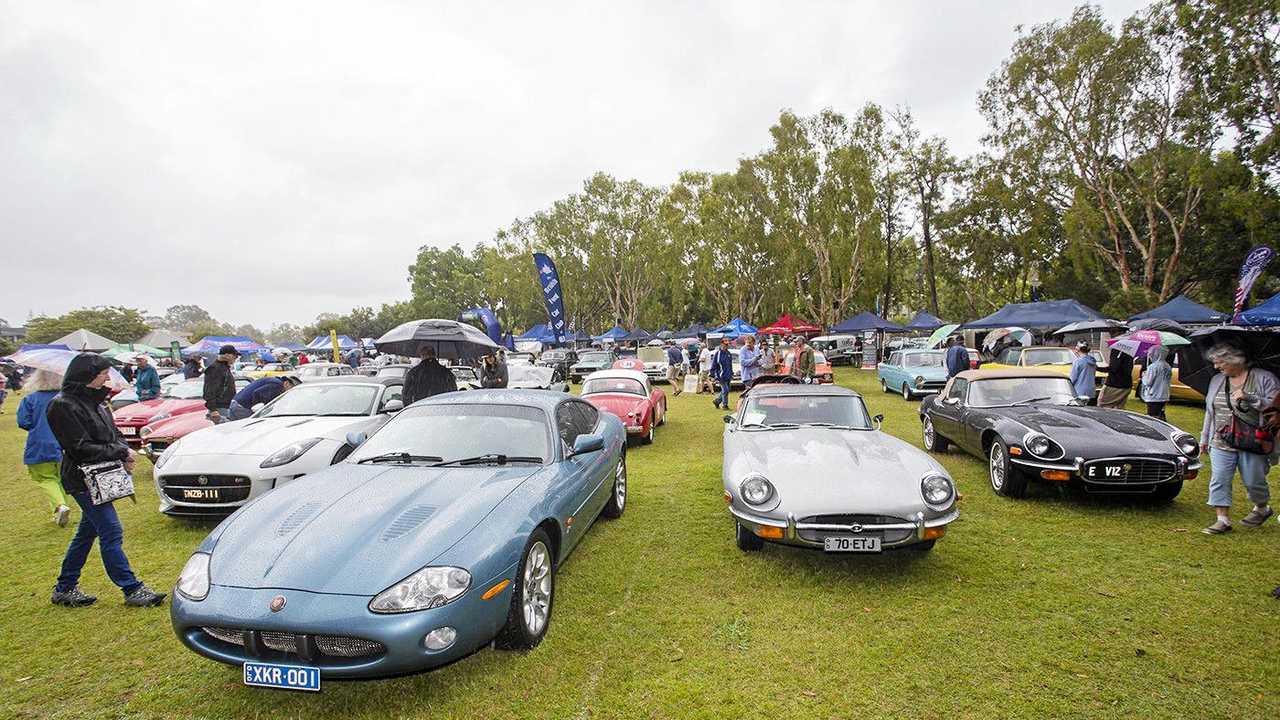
x=440 y=533
x=913 y=372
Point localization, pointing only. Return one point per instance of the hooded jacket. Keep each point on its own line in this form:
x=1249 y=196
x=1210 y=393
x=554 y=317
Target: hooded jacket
x=494 y=376
x=81 y=422
x=427 y=378
x=219 y=386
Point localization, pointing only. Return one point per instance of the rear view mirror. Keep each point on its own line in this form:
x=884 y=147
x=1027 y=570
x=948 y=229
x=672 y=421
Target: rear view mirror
x=584 y=444
x=355 y=438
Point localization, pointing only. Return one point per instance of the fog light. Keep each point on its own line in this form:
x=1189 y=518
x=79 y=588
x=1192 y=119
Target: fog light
x=441 y=638
x=935 y=532
x=768 y=531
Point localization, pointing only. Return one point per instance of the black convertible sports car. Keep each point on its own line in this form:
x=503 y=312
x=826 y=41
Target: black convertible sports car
x=1029 y=424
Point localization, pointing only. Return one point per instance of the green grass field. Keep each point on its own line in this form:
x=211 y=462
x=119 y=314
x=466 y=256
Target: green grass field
x=1052 y=606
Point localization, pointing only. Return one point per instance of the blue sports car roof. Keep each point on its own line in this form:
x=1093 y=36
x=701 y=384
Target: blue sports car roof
x=544 y=399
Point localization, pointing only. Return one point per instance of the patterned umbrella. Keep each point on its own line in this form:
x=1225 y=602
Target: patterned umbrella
x=1139 y=342
x=58 y=360
x=1019 y=335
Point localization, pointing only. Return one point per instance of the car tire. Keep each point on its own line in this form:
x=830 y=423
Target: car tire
x=535 y=581
x=647 y=438
x=933 y=442
x=906 y=392
x=618 y=500
x=1167 y=492
x=923 y=547
x=746 y=540
x=1005 y=479
x=884 y=388
x=663 y=419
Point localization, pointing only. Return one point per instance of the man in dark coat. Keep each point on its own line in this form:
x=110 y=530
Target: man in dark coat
x=722 y=372
x=191 y=368
x=957 y=357
x=427 y=378
x=82 y=425
x=220 y=384
x=1115 y=389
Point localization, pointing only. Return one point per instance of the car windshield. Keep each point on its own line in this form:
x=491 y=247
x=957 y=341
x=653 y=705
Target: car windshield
x=615 y=385
x=1047 y=356
x=556 y=355
x=323 y=399
x=453 y=432
x=795 y=410
x=594 y=357
x=1002 y=392
x=393 y=371
x=186 y=390
x=929 y=359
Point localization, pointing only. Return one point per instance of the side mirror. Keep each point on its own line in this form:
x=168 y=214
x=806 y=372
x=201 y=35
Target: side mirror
x=584 y=444
x=391 y=406
x=728 y=419
x=356 y=438
x=1084 y=399
x=950 y=401
x=879 y=420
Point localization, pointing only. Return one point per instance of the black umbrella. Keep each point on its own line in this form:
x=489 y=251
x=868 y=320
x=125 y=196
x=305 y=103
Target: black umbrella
x=1260 y=345
x=1159 y=324
x=451 y=339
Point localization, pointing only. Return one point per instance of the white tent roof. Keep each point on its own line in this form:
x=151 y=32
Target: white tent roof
x=162 y=338
x=83 y=340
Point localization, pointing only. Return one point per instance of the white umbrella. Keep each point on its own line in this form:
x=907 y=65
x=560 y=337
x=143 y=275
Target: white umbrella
x=128 y=357
x=57 y=361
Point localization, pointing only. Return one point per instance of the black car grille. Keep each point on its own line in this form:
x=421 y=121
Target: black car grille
x=209 y=480
x=158 y=446
x=203 y=488
x=1142 y=471
x=334 y=646
x=887 y=536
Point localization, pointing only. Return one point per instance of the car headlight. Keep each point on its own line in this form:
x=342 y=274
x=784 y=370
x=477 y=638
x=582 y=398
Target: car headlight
x=161 y=416
x=756 y=490
x=1041 y=446
x=145 y=432
x=289 y=453
x=919 y=381
x=937 y=490
x=430 y=587
x=166 y=455
x=1187 y=444
x=193 y=582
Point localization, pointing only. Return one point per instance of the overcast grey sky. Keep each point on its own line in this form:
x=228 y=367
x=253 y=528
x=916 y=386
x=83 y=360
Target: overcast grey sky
x=272 y=163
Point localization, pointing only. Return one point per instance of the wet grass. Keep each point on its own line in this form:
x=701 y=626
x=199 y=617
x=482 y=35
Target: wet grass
x=1051 y=606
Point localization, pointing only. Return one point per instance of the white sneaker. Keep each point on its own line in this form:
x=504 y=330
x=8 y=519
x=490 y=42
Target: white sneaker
x=61 y=515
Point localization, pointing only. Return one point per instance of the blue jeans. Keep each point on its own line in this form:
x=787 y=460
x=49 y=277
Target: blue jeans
x=238 y=411
x=224 y=415
x=723 y=397
x=1253 y=472
x=101 y=522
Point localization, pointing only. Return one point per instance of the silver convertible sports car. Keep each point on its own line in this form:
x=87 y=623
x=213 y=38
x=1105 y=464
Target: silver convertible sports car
x=440 y=533
x=804 y=465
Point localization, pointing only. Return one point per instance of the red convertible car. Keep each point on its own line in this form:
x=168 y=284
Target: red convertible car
x=159 y=435
x=627 y=395
x=178 y=399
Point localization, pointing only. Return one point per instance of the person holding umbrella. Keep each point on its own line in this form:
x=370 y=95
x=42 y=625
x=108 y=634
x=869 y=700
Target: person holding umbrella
x=1232 y=421
x=1154 y=387
x=427 y=378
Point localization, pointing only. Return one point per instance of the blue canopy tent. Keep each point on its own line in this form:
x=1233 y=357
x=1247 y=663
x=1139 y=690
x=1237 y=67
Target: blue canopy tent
x=1265 y=315
x=42 y=346
x=538 y=333
x=636 y=336
x=615 y=334
x=294 y=346
x=865 y=321
x=508 y=342
x=736 y=327
x=1183 y=309
x=693 y=331
x=579 y=337
x=323 y=343
x=1043 y=315
x=211 y=344
x=925 y=321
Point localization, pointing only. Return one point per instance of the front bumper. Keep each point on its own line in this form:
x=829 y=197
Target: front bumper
x=308 y=616
x=237 y=478
x=1182 y=469
x=910 y=532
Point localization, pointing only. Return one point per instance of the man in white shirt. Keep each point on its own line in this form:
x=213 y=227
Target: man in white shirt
x=704 y=369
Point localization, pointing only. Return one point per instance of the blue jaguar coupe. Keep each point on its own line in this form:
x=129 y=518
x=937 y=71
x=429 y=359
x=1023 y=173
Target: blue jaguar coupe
x=439 y=533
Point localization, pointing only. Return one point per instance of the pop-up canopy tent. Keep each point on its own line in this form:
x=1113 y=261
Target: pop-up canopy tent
x=1183 y=309
x=736 y=327
x=865 y=321
x=538 y=333
x=637 y=336
x=163 y=339
x=925 y=321
x=292 y=346
x=1265 y=315
x=42 y=346
x=210 y=345
x=1043 y=315
x=323 y=342
x=616 y=333
x=787 y=325
x=692 y=331
x=137 y=349
x=85 y=341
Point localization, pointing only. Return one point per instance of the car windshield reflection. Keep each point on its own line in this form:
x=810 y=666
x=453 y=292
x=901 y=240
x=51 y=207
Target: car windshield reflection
x=613 y=385
x=800 y=410
x=316 y=399
x=455 y=432
x=1004 y=392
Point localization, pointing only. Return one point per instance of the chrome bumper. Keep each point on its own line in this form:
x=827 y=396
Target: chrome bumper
x=917 y=526
x=1076 y=466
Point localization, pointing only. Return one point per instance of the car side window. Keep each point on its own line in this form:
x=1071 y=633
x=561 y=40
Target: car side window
x=567 y=420
x=959 y=386
x=590 y=416
x=393 y=392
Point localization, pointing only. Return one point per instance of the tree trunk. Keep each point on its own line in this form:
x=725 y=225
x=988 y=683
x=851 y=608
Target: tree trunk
x=926 y=214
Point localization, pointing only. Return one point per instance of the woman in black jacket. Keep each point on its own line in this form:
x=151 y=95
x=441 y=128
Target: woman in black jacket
x=83 y=427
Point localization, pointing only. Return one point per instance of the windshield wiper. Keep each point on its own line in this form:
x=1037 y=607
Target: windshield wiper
x=1030 y=400
x=489 y=459
x=830 y=425
x=398 y=456
x=773 y=426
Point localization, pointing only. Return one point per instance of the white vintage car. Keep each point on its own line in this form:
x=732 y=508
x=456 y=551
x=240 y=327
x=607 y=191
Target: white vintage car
x=213 y=471
x=805 y=465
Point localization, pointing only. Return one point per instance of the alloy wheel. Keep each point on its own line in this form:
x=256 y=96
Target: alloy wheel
x=537 y=588
x=997 y=467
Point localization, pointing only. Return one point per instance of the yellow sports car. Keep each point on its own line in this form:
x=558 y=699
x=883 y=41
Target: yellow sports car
x=271 y=370
x=1053 y=358
x=1177 y=390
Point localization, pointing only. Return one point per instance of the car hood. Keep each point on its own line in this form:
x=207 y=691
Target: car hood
x=263 y=436
x=826 y=471
x=1094 y=431
x=617 y=403
x=931 y=372
x=357 y=529
x=178 y=426
x=144 y=411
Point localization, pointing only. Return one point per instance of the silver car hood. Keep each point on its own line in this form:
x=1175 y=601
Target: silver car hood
x=820 y=471
x=357 y=529
x=263 y=436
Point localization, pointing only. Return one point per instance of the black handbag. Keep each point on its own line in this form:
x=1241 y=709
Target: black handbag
x=1242 y=435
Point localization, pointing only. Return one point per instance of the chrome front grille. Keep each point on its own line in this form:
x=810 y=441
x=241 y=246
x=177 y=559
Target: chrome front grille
x=887 y=536
x=1142 y=471
x=335 y=646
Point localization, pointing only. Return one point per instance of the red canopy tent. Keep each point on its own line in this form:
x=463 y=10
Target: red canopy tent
x=787 y=325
